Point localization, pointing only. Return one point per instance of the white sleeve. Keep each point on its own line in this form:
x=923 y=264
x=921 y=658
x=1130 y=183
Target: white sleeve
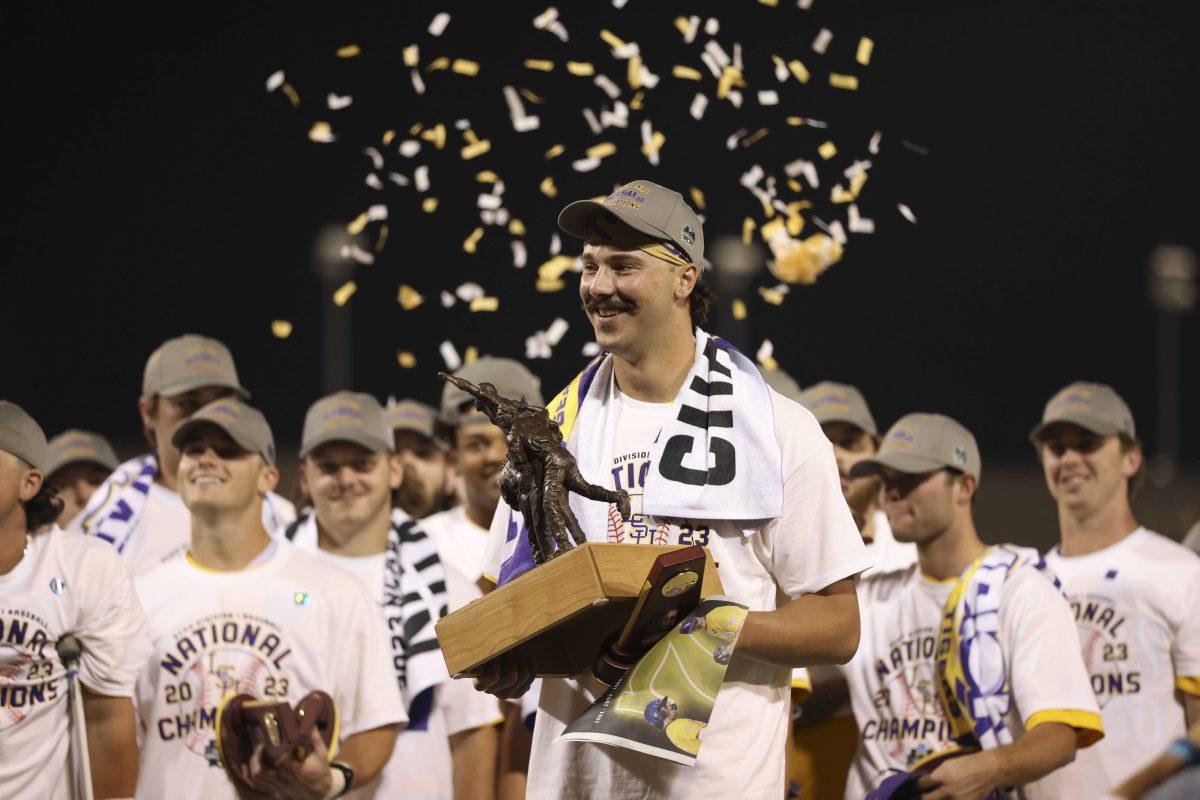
x=814 y=542
x=1185 y=649
x=1041 y=646
x=371 y=697
x=497 y=548
x=465 y=709
x=111 y=625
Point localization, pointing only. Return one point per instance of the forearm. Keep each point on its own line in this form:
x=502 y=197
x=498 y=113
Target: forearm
x=112 y=745
x=1035 y=755
x=515 y=744
x=830 y=695
x=812 y=630
x=474 y=755
x=366 y=753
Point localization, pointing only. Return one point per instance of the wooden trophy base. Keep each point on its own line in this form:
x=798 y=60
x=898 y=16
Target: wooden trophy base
x=559 y=614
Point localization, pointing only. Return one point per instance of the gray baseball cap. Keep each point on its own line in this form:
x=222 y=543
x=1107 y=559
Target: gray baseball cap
x=920 y=443
x=511 y=379
x=22 y=436
x=189 y=362
x=346 y=417
x=646 y=207
x=245 y=424
x=74 y=446
x=411 y=415
x=783 y=383
x=838 y=402
x=1093 y=406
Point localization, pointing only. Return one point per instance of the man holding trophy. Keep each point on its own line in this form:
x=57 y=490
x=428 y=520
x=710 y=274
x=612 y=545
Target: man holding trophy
x=707 y=454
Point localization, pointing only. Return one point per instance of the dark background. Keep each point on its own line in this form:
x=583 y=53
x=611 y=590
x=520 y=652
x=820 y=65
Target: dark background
x=155 y=188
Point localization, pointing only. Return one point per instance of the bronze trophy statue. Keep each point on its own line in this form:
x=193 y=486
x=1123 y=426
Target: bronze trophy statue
x=539 y=472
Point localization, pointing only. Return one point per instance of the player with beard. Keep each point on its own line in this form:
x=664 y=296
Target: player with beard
x=80 y=462
x=427 y=486
x=1135 y=593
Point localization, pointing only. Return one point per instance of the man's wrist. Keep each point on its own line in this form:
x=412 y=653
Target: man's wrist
x=341 y=777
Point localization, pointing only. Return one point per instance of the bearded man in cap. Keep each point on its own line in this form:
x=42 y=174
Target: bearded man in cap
x=711 y=456
x=1135 y=593
x=427 y=484
x=138 y=510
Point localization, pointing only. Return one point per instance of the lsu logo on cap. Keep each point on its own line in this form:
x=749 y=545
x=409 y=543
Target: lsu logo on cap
x=348 y=412
x=631 y=195
x=901 y=439
x=688 y=235
x=833 y=398
x=224 y=409
x=203 y=358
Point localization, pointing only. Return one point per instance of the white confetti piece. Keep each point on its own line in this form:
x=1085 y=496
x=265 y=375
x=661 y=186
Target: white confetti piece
x=731 y=142
x=585 y=164
x=450 y=355
x=693 y=27
x=543 y=20
x=804 y=5
x=592 y=122
x=448 y=299
x=438 y=26
x=838 y=232
x=699 y=103
x=712 y=26
x=520 y=257
x=857 y=223
x=816 y=123
x=859 y=166
x=907 y=213
x=421 y=178
x=375 y=156
x=766 y=351
x=321 y=132
x=768 y=97
x=626 y=51
x=356 y=253
x=916 y=148
x=469 y=291
x=821 y=43
x=489 y=201
x=618 y=117
x=377 y=212
x=525 y=124
x=802 y=167
x=781 y=69
x=338 y=102
x=418 y=82
x=752 y=176
x=555 y=244
x=373 y=181
x=556 y=331
x=590 y=349
x=409 y=148
x=718 y=54
x=734 y=98
x=536 y=346
x=607 y=86
x=737 y=57
x=275 y=80
x=487 y=217
x=619 y=4
x=873 y=145
x=398 y=179
x=559 y=30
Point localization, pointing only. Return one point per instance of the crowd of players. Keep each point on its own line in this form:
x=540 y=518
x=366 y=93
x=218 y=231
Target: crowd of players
x=187 y=578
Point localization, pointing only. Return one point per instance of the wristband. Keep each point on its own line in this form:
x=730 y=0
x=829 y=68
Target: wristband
x=1185 y=751
x=337 y=783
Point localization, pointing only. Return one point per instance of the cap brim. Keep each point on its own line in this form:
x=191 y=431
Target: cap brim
x=908 y=463
x=187 y=428
x=1090 y=424
x=201 y=382
x=353 y=436
x=576 y=219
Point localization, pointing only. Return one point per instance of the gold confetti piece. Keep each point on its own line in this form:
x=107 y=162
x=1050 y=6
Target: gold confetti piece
x=440 y=63
x=429 y=205
x=839 y=81
x=547 y=187
x=697 y=198
x=344 y=293
x=601 y=150
x=754 y=137
x=769 y=362
x=657 y=140
x=636 y=103
x=408 y=297
x=472 y=241
x=807 y=259
x=539 y=64
x=555 y=267
x=357 y=224
x=748 y=226
x=794 y=121
x=470 y=136
x=349 y=51
x=382 y=240
x=827 y=150
x=406 y=359
x=464 y=66
x=485 y=304
x=554 y=285
x=794 y=185
x=477 y=149
x=771 y=229
x=531 y=97
x=388 y=136
x=857 y=182
x=772 y=296
x=840 y=195
x=436 y=134
x=321 y=132
x=516 y=227
x=291 y=94
x=865 y=48
x=281 y=328
x=799 y=70
x=415 y=129
x=686 y=73
x=412 y=55
x=581 y=68
x=731 y=77
x=633 y=74
x=471 y=355
x=771 y=3
x=555 y=151
x=739 y=309
x=683 y=25
x=611 y=39
x=487 y=176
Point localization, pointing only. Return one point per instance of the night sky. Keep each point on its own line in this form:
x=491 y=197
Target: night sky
x=155 y=188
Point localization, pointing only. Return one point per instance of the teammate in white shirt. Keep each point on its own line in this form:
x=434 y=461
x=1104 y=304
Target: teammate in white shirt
x=138 y=509
x=80 y=462
x=644 y=295
x=349 y=469
x=1135 y=593
x=53 y=584
x=427 y=486
x=241 y=612
x=930 y=467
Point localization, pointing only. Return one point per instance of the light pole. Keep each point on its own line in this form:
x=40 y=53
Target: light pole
x=1172 y=277
x=337 y=322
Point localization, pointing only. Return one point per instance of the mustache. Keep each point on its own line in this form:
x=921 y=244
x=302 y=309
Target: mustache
x=612 y=303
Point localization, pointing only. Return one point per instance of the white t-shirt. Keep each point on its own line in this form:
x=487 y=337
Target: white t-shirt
x=421 y=764
x=893 y=677
x=65 y=583
x=460 y=543
x=1136 y=606
x=287 y=625
x=812 y=545
x=889 y=554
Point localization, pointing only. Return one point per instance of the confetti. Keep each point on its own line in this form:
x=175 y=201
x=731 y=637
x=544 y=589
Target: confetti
x=409 y=148
x=601 y=150
x=436 y=135
x=412 y=55
x=839 y=81
x=357 y=224
x=408 y=297
x=590 y=349
x=344 y=293
x=485 y=304
x=556 y=331
x=821 y=43
x=429 y=205
x=865 y=48
x=539 y=64
x=607 y=86
x=281 y=328
x=462 y=66
x=652 y=142
x=450 y=355
x=857 y=223
x=611 y=39
x=697 y=198
x=688 y=27
x=699 y=103
x=873 y=146
x=488 y=202
x=799 y=70
x=768 y=97
x=373 y=181
x=336 y=102
x=828 y=150
x=275 y=80
x=321 y=133
x=472 y=241
x=438 y=26
x=477 y=149
x=406 y=359
x=543 y=20
x=766 y=355
x=519 y=254
x=471 y=356
x=291 y=94
x=686 y=73
x=758 y=134
x=349 y=51
x=417 y=82
x=712 y=25
x=375 y=156
x=739 y=309
x=907 y=213
x=802 y=261
x=748 y=226
x=584 y=165
x=581 y=68
x=547 y=187
x=448 y=299
x=355 y=252
x=421 y=178
x=772 y=296
x=516 y=228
